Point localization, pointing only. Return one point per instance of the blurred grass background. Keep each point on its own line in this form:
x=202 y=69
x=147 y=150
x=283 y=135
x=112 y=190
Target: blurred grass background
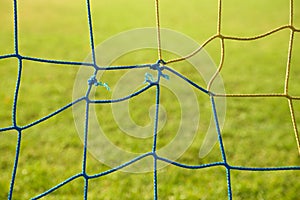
x=257 y=133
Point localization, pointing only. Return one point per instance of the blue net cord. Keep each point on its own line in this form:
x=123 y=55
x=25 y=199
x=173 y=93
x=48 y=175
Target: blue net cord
x=159 y=66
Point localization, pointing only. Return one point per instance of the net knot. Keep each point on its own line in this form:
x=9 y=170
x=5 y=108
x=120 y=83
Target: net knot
x=159 y=67
x=93 y=81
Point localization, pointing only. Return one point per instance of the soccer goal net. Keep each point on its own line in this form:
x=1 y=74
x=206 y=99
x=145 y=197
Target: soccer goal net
x=204 y=105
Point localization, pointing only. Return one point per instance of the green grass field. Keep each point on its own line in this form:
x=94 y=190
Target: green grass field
x=258 y=132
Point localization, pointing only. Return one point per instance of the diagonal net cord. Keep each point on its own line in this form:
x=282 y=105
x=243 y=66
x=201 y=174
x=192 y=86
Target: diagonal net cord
x=152 y=153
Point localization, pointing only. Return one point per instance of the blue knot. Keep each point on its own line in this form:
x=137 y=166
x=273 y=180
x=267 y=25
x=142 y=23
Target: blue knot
x=159 y=67
x=93 y=81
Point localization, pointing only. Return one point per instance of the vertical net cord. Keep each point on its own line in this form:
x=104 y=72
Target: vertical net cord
x=92 y=45
x=13 y=177
x=287 y=76
x=158 y=29
x=157 y=15
x=15 y=101
x=157 y=102
x=221 y=145
x=228 y=175
x=84 y=159
x=294 y=123
x=85 y=143
x=219 y=24
x=90 y=25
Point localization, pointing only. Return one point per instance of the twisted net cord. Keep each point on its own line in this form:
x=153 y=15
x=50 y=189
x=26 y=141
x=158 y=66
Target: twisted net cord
x=159 y=66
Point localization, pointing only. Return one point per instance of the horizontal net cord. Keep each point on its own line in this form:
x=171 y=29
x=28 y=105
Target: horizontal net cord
x=233 y=38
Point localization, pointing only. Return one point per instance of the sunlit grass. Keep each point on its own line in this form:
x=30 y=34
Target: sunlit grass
x=258 y=132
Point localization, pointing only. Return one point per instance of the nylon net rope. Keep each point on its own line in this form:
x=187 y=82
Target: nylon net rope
x=162 y=68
